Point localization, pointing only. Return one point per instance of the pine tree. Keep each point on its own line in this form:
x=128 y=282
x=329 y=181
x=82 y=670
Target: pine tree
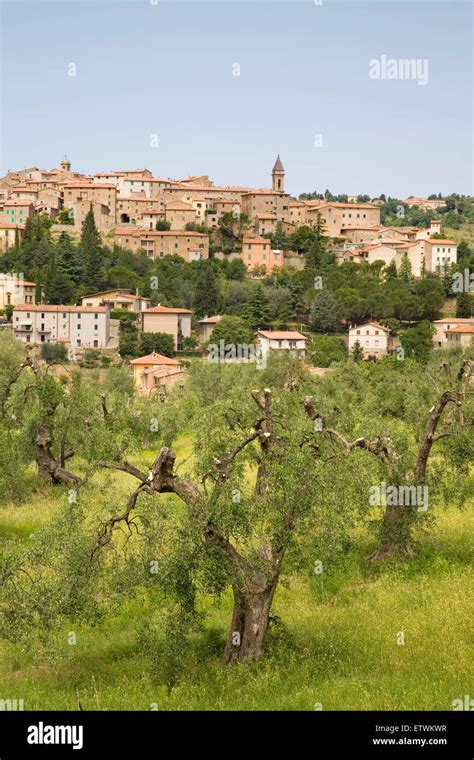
x=259 y=308
x=71 y=258
x=296 y=297
x=405 y=270
x=92 y=253
x=318 y=247
x=357 y=352
x=391 y=271
x=206 y=296
x=324 y=312
x=35 y=248
x=464 y=305
x=58 y=286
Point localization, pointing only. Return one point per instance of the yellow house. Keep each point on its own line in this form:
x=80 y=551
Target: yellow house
x=153 y=370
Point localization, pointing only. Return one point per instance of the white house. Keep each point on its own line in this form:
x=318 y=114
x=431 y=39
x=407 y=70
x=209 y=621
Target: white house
x=440 y=253
x=460 y=336
x=372 y=337
x=444 y=327
x=281 y=340
x=76 y=326
x=15 y=291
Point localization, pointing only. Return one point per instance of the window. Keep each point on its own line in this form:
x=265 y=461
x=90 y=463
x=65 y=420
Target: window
x=376 y=332
x=358 y=332
x=96 y=316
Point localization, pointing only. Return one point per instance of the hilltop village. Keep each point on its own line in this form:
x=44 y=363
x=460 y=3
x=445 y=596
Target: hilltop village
x=85 y=265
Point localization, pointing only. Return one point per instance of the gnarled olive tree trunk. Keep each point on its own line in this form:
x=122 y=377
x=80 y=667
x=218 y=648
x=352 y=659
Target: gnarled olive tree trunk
x=49 y=467
x=249 y=625
x=253 y=582
x=396 y=530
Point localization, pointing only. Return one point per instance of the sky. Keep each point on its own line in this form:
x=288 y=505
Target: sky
x=220 y=87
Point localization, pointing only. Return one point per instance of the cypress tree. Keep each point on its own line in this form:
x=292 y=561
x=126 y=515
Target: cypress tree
x=324 y=312
x=92 y=253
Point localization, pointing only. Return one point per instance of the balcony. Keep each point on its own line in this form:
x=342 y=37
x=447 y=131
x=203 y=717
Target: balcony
x=23 y=327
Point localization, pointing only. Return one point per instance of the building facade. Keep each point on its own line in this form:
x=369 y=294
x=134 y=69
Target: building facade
x=175 y=322
x=76 y=326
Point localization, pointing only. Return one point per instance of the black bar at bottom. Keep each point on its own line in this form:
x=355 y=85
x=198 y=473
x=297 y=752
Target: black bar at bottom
x=150 y=734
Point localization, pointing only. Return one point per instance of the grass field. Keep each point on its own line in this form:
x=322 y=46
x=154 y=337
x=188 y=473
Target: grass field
x=334 y=643
x=465 y=232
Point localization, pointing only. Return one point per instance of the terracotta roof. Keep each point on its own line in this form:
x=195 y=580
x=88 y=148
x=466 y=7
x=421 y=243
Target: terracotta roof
x=126 y=294
x=165 y=310
x=157 y=359
x=281 y=334
x=267 y=216
x=18 y=203
x=466 y=329
x=157 y=233
x=263 y=192
x=256 y=240
x=179 y=206
x=11 y=226
x=59 y=308
x=460 y=320
x=374 y=324
x=440 y=242
x=210 y=320
x=89 y=185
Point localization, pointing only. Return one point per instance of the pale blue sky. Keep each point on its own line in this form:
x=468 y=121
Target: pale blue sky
x=167 y=69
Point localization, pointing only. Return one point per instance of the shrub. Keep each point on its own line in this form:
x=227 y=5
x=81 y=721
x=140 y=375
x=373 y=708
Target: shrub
x=160 y=343
x=53 y=352
x=124 y=316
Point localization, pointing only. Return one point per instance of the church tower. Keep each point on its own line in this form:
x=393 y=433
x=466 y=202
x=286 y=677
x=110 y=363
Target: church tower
x=65 y=164
x=278 y=176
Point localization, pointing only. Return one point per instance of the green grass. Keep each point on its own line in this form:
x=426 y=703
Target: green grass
x=333 y=642
x=465 y=232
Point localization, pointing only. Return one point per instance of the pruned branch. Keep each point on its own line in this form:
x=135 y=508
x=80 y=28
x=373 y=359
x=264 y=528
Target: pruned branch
x=382 y=448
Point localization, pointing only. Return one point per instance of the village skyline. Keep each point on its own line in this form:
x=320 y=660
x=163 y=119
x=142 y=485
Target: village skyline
x=358 y=99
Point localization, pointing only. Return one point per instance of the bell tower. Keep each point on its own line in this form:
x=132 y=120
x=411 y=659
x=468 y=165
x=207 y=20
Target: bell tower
x=278 y=176
x=65 y=164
